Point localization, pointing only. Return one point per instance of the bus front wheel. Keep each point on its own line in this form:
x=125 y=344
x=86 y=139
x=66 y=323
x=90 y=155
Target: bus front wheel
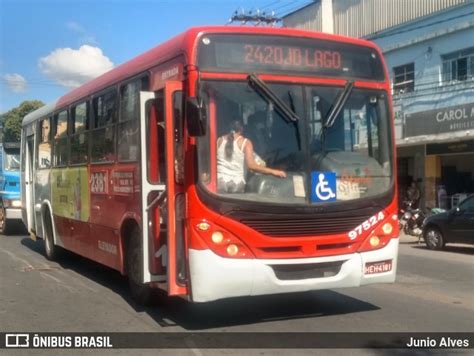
x=141 y=293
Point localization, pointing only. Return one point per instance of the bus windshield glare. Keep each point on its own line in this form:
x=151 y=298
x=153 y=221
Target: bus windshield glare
x=356 y=147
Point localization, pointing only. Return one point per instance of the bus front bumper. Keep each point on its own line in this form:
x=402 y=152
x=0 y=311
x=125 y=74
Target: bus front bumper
x=214 y=277
x=13 y=213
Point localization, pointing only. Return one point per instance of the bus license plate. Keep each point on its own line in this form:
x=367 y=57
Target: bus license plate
x=378 y=267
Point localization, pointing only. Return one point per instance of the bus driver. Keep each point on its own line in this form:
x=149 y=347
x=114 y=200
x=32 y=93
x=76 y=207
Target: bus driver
x=233 y=150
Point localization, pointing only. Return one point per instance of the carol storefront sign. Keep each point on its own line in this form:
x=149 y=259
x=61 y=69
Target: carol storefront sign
x=432 y=122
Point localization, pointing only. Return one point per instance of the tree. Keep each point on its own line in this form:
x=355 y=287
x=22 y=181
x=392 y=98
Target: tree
x=12 y=119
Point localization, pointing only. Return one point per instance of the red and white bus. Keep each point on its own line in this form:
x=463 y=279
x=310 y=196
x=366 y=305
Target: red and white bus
x=124 y=169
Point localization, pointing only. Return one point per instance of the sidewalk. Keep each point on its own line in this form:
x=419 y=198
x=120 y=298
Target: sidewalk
x=407 y=239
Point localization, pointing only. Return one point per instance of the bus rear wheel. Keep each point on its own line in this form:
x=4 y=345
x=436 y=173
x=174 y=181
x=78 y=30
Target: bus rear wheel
x=53 y=252
x=141 y=293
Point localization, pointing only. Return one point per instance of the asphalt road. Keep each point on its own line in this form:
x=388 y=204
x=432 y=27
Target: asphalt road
x=434 y=292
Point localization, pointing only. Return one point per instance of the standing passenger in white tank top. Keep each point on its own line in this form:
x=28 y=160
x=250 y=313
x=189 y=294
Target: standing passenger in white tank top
x=233 y=152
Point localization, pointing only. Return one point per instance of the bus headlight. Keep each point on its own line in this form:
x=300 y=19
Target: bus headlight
x=232 y=250
x=9 y=203
x=387 y=228
x=374 y=241
x=16 y=203
x=219 y=240
x=379 y=237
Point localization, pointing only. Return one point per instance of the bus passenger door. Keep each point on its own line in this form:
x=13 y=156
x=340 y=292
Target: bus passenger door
x=153 y=186
x=175 y=202
x=29 y=182
x=162 y=192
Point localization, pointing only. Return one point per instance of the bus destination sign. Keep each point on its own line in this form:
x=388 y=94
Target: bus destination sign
x=291 y=55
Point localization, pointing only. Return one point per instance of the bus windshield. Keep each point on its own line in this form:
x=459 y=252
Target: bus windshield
x=12 y=160
x=355 y=147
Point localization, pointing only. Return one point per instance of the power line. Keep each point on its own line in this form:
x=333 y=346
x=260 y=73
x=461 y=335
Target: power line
x=269 y=4
x=286 y=5
x=430 y=92
x=442 y=82
x=439 y=82
x=448 y=95
x=439 y=89
x=286 y=12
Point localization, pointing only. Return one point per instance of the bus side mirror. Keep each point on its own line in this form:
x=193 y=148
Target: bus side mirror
x=196 y=117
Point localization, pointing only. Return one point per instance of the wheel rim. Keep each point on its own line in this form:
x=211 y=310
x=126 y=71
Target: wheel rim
x=432 y=237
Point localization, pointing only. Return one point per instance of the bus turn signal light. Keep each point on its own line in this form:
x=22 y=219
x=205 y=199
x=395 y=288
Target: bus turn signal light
x=203 y=226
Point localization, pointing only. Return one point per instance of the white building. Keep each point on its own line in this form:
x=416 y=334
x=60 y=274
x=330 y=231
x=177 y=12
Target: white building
x=429 y=51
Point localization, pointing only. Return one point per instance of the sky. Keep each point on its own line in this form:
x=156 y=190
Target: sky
x=49 y=47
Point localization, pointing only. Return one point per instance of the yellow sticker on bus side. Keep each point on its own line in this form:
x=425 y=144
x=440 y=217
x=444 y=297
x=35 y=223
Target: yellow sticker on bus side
x=70 y=192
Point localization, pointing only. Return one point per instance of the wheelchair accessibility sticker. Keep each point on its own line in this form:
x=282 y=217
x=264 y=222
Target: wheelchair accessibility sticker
x=323 y=187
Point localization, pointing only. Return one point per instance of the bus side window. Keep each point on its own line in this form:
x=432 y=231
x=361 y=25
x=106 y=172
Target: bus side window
x=79 y=135
x=128 y=119
x=44 y=143
x=103 y=134
x=156 y=141
x=61 y=152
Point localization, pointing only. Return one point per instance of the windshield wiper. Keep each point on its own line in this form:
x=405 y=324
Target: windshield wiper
x=339 y=104
x=264 y=90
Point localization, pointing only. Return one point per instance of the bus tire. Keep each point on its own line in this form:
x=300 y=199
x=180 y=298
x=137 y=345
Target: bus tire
x=141 y=293
x=5 y=225
x=52 y=252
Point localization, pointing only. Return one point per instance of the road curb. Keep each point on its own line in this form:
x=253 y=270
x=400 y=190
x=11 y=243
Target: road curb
x=407 y=239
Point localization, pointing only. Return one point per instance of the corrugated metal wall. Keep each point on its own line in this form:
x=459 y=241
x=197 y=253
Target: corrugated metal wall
x=359 y=18
x=308 y=18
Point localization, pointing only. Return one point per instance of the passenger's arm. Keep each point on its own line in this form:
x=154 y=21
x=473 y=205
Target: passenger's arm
x=253 y=166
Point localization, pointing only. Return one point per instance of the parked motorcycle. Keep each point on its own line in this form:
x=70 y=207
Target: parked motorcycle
x=411 y=219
